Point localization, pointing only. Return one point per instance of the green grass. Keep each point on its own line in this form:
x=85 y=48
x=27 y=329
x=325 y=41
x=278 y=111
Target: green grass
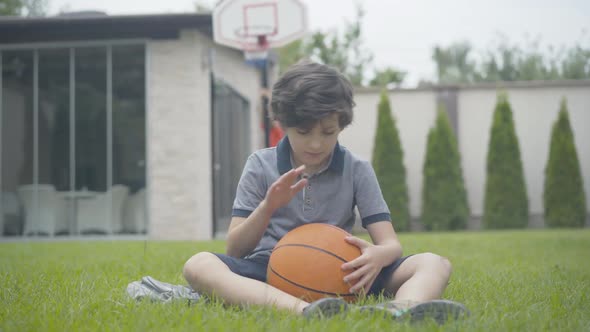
x=511 y=281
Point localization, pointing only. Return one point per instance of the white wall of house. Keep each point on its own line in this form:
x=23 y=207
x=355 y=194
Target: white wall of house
x=179 y=131
x=535 y=107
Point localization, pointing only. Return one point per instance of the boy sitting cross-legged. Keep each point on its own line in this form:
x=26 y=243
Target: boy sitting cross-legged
x=313 y=103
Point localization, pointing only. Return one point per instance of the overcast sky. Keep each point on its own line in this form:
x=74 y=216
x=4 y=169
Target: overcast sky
x=402 y=33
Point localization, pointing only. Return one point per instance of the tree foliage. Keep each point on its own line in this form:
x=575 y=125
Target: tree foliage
x=454 y=64
x=505 y=203
x=389 y=167
x=30 y=8
x=459 y=64
x=10 y=7
x=444 y=198
x=563 y=196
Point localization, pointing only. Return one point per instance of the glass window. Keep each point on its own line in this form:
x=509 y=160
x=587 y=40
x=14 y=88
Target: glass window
x=129 y=139
x=91 y=119
x=55 y=176
x=17 y=136
x=91 y=140
x=54 y=130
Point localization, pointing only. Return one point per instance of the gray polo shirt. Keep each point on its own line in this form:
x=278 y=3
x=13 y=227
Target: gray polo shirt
x=329 y=197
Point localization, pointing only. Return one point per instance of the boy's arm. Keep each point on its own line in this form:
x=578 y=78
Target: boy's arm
x=376 y=218
x=245 y=233
x=383 y=234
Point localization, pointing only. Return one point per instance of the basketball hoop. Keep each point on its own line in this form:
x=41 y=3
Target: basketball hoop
x=254 y=26
x=256 y=31
x=255 y=55
x=259 y=34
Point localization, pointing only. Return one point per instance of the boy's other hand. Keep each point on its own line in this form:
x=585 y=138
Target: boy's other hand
x=367 y=266
x=282 y=191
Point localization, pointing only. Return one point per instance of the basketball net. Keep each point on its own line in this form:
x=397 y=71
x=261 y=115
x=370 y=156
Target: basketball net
x=258 y=51
x=255 y=54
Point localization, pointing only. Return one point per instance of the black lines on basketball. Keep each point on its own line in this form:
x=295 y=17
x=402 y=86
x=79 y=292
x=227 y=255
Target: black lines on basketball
x=307 y=288
x=311 y=247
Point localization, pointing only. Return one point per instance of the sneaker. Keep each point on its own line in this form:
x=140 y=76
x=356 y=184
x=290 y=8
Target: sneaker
x=390 y=309
x=439 y=310
x=326 y=307
x=159 y=291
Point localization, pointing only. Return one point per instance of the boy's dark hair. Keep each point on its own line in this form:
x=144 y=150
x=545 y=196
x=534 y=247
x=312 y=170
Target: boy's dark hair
x=309 y=92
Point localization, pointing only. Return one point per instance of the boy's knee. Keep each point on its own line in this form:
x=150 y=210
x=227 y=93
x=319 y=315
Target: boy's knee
x=438 y=263
x=197 y=264
x=446 y=267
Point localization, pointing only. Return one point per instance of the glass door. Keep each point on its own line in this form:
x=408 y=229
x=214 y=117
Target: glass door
x=72 y=129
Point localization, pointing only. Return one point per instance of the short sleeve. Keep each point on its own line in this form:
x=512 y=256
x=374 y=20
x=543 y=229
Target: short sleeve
x=251 y=188
x=368 y=196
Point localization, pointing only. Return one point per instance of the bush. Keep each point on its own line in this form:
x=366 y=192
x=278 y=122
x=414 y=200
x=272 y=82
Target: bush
x=506 y=204
x=389 y=168
x=444 y=199
x=563 y=195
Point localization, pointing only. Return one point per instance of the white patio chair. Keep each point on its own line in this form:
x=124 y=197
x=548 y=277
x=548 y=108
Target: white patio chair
x=134 y=213
x=10 y=218
x=120 y=193
x=65 y=222
x=92 y=215
x=40 y=218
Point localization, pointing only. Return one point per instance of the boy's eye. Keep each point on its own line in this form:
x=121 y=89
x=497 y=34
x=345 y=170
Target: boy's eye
x=330 y=133
x=302 y=132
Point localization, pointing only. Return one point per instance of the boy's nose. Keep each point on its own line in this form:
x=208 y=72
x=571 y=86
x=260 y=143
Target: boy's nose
x=315 y=144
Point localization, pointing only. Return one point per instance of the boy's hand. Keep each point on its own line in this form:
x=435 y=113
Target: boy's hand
x=367 y=265
x=282 y=191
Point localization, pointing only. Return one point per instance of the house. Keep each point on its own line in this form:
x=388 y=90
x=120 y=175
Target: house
x=135 y=125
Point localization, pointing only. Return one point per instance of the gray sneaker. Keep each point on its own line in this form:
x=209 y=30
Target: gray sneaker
x=159 y=291
x=326 y=307
x=439 y=310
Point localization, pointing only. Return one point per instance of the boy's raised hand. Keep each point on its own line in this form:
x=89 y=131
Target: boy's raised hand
x=285 y=188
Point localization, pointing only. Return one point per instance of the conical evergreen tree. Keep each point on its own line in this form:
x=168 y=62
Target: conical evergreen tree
x=563 y=195
x=444 y=199
x=389 y=168
x=506 y=203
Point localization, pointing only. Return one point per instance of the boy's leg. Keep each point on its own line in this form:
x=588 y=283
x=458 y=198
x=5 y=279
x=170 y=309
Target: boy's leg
x=207 y=274
x=419 y=278
x=418 y=283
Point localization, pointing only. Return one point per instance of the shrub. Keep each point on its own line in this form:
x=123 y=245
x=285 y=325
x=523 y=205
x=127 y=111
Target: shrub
x=563 y=195
x=505 y=202
x=389 y=168
x=444 y=199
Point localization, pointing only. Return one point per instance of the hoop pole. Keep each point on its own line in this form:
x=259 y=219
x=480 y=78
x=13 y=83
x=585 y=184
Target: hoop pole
x=265 y=110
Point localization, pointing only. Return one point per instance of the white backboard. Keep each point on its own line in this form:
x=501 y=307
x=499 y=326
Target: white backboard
x=240 y=23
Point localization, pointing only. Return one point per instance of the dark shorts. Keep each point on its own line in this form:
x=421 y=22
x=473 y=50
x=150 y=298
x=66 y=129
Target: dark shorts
x=255 y=268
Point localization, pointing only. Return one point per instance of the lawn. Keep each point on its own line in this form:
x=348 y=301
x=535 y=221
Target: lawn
x=511 y=281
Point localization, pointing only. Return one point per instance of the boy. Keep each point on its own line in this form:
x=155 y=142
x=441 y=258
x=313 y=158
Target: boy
x=308 y=177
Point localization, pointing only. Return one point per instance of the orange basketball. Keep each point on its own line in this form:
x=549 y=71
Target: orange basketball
x=306 y=263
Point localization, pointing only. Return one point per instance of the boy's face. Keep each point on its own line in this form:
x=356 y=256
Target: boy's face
x=313 y=147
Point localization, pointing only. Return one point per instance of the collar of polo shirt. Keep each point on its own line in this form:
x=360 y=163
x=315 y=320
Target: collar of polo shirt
x=284 y=157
